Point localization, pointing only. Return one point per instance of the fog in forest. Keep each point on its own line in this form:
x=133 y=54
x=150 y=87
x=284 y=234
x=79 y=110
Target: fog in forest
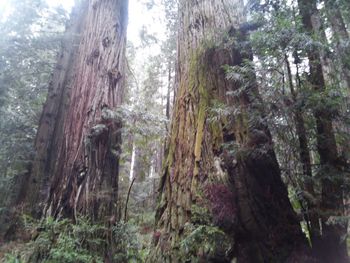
x=174 y=131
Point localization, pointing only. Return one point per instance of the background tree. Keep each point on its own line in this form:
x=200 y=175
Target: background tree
x=294 y=52
x=332 y=197
x=31 y=33
x=150 y=99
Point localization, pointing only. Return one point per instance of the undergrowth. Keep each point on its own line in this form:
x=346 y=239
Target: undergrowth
x=57 y=241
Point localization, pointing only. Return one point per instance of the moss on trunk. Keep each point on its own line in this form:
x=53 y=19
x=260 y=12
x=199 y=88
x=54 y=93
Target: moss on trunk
x=226 y=167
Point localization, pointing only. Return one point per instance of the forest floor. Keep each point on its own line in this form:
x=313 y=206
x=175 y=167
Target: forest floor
x=11 y=247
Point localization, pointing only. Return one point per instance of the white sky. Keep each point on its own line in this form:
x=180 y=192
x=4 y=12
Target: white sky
x=137 y=17
x=67 y=4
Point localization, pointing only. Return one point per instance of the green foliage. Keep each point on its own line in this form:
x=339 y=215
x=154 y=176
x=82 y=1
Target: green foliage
x=128 y=248
x=62 y=241
x=244 y=75
x=30 y=38
x=11 y=258
x=56 y=241
x=146 y=124
x=218 y=111
x=200 y=215
x=203 y=242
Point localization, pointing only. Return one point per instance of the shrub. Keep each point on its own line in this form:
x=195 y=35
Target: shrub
x=222 y=203
x=204 y=243
x=56 y=241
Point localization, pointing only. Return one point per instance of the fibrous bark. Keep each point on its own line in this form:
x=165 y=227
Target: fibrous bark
x=78 y=141
x=226 y=165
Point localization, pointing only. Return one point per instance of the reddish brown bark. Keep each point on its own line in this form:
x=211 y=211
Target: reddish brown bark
x=228 y=165
x=78 y=141
x=34 y=194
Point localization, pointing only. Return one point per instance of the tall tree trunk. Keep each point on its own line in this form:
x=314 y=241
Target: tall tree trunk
x=304 y=155
x=226 y=166
x=141 y=163
x=341 y=37
x=330 y=245
x=78 y=140
x=50 y=125
x=304 y=152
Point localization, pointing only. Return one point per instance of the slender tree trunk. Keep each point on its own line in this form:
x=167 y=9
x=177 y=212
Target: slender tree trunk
x=304 y=152
x=127 y=199
x=78 y=141
x=226 y=166
x=331 y=245
x=305 y=158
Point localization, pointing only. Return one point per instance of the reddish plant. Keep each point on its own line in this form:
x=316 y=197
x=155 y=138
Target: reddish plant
x=222 y=202
x=146 y=229
x=156 y=236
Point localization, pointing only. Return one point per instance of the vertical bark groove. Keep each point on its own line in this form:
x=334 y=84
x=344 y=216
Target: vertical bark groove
x=85 y=146
x=198 y=168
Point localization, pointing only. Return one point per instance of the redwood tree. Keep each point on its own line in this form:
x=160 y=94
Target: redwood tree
x=341 y=37
x=78 y=140
x=220 y=173
x=329 y=243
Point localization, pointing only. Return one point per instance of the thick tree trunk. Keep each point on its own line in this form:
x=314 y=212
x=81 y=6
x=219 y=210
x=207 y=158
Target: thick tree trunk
x=226 y=167
x=329 y=245
x=78 y=141
x=50 y=125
